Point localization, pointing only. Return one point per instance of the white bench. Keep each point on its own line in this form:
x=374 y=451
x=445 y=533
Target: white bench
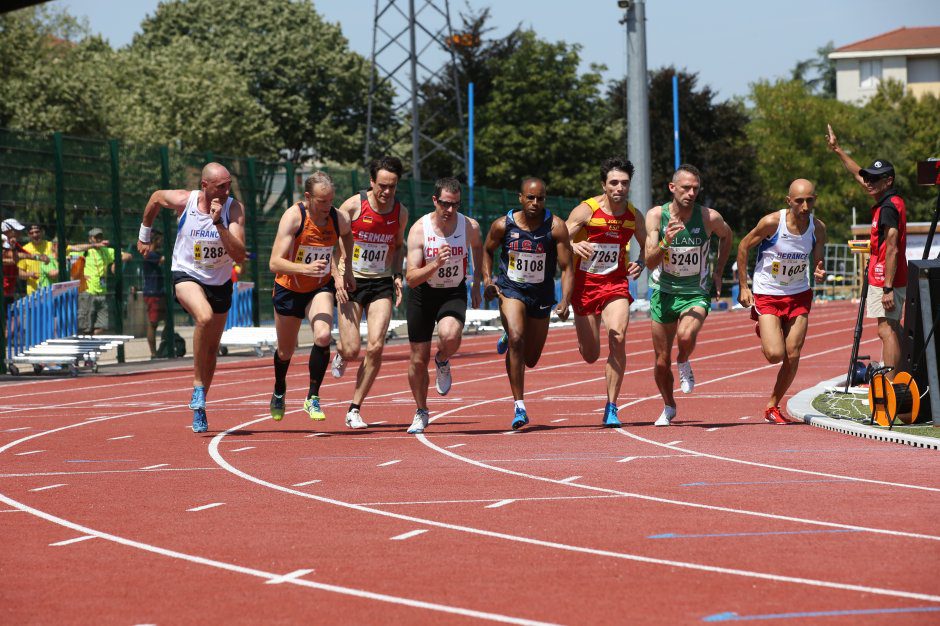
x=258 y=338
x=73 y=352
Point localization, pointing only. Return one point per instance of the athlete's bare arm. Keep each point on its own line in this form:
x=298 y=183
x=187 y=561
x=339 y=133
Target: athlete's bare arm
x=348 y=281
x=398 y=258
x=847 y=161
x=766 y=227
x=716 y=225
x=476 y=247
x=232 y=236
x=493 y=240
x=351 y=207
x=634 y=268
x=174 y=199
x=654 y=254
x=819 y=250
x=280 y=262
x=563 y=249
x=576 y=220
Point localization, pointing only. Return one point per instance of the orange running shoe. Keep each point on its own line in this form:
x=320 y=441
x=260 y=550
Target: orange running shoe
x=774 y=416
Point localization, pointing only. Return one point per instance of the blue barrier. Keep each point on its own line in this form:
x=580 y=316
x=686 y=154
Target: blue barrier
x=242 y=305
x=48 y=313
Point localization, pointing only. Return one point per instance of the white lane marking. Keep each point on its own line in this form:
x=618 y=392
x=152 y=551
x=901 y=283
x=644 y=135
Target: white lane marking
x=745 y=417
x=315 y=435
x=286 y=578
x=387 y=463
x=496 y=505
x=217 y=457
x=711 y=430
x=305 y=483
x=380 y=422
x=672 y=443
x=26 y=453
x=48 y=487
x=73 y=540
x=570 y=479
x=230 y=567
x=476 y=501
x=627 y=459
x=155 y=466
x=560 y=419
x=654 y=456
x=13 y=430
x=121 y=437
x=859 y=479
x=11 y=511
x=243 y=449
x=205 y=506
x=409 y=534
x=128 y=471
x=456 y=445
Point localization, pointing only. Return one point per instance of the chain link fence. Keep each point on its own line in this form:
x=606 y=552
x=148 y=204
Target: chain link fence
x=70 y=185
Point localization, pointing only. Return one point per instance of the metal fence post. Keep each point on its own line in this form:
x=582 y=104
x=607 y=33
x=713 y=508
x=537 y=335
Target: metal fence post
x=60 y=206
x=169 y=327
x=288 y=183
x=253 y=234
x=117 y=244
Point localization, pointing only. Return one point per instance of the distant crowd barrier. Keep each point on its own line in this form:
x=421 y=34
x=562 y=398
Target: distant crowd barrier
x=241 y=313
x=48 y=313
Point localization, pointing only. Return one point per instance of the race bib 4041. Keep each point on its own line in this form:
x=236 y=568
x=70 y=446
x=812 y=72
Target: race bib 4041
x=369 y=257
x=309 y=254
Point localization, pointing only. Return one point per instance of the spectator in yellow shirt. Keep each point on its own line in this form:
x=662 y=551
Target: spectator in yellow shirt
x=93 y=302
x=39 y=265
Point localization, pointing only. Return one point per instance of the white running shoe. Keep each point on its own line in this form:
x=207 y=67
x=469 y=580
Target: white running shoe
x=354 y=420
x=666 y=417
x=443 y=377
x=686 y=378
x=339 y=366
x=419 y=423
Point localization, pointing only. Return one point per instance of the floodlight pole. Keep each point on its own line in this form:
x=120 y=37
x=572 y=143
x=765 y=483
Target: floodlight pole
x=638 y=119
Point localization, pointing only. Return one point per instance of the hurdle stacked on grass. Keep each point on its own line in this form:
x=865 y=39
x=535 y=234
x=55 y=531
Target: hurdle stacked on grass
x=48 y=313
x=242 y=305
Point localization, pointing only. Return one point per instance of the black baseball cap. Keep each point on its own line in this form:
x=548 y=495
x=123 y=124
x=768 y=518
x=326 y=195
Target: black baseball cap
x=879 y=169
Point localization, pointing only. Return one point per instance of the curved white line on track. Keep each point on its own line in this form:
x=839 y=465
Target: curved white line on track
x=239 y=569
x=214 y=453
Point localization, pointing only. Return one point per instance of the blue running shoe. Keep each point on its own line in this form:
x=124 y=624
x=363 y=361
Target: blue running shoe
x=200 y=422
x=198 y=400
x=502 y=344
x=610 y=416
x=520 y=419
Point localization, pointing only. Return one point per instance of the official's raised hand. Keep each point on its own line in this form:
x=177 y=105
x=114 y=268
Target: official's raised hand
x=831 y=140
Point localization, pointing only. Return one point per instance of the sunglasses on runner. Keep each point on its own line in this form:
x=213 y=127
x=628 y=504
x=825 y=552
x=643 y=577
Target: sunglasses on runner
x=447 y=204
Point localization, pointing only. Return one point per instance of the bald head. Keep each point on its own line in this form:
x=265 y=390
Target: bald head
x=801 y=187
x=801 y=198
x=214 y=171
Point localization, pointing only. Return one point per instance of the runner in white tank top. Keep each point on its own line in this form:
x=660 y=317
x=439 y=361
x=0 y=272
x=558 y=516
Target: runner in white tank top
x=782 y=260
x=211 y=237
x=438 y=247
x=782 y=296
x=199 y=251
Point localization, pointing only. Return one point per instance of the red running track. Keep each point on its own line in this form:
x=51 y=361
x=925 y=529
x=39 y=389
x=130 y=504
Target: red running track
x=112 y=511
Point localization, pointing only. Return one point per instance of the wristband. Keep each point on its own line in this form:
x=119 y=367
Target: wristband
x=144 y=234
x=888 y=289
x=663 y=244
x=397 y=275
x=217 y=222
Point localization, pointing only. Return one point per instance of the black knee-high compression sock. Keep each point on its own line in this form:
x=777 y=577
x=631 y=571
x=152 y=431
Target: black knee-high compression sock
x=319 y=359
x=280 y=375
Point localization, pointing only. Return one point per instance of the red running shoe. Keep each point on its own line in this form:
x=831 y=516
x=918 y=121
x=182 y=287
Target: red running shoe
x=774 y=416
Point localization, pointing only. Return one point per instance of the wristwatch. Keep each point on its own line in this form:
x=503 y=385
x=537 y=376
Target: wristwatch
x=887 y=289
